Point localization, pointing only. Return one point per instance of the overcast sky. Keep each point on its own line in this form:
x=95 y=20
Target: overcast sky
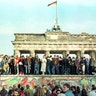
x=34 y=16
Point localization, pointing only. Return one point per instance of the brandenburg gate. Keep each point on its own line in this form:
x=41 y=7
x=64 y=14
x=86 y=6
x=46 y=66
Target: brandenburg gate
x=56 y=42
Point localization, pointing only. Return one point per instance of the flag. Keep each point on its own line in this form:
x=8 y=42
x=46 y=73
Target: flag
x=53 y=3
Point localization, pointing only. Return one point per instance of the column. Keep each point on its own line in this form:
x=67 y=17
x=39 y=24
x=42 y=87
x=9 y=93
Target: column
x=82 y=53
x=65 y=53
x=47 y=53
x=93 y=54
x=78 y=53
x=16 y=52
x=32 y=53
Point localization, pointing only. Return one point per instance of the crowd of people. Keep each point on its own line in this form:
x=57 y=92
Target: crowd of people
x=51 y=65
x=49 y=90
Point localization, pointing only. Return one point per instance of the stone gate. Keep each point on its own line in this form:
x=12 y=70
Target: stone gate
x=55 y=42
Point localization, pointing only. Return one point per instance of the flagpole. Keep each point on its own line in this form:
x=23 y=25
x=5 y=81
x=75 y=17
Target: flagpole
x=56 y=15
x=56 y=26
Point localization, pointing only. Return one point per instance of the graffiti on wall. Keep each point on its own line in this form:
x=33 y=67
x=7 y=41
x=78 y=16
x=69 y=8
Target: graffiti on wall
x=43 y=80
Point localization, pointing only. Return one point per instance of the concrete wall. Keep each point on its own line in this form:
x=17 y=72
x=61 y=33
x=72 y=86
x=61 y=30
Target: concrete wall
x=32 y=80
